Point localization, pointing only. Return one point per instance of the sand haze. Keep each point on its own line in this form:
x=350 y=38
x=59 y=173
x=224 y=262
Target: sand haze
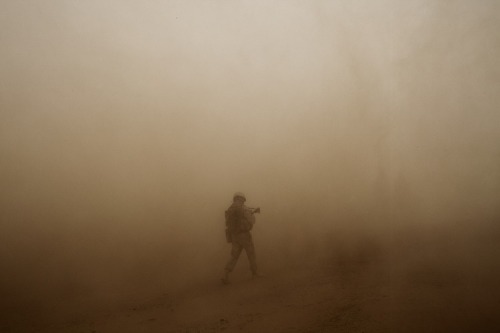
x=357 y=127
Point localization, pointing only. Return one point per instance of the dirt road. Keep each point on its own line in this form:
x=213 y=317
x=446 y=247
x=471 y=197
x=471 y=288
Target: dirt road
x=340 y=297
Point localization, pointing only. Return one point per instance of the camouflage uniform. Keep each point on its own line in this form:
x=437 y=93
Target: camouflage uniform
x=239 y=223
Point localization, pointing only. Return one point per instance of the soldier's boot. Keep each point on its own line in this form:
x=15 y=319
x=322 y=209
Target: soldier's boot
x=225 y=278
x=256 y=275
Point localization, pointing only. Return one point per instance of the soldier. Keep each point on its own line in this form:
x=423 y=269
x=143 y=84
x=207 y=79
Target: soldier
x=239 y=221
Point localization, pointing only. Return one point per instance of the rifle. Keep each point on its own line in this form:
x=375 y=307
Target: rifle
x=254 y=210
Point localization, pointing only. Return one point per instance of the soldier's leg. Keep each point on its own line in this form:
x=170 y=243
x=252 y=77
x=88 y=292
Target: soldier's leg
x=250 y=251
x=235 y=254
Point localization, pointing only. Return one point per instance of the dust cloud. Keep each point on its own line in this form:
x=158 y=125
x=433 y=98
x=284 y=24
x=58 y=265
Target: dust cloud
x=364 y=131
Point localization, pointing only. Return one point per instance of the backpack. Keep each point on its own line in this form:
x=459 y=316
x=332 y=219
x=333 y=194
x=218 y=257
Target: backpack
x=230 y=225
x=235 y=224
x=231 y=221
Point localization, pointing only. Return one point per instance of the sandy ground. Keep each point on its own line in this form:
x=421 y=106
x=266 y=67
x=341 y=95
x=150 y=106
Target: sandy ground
x=340 y=297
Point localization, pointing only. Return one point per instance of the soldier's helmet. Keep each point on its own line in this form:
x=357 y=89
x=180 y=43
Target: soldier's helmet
x=239 y=195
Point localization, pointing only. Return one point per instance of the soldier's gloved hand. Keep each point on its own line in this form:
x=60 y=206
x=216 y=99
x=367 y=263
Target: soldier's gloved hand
x=257 y=210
